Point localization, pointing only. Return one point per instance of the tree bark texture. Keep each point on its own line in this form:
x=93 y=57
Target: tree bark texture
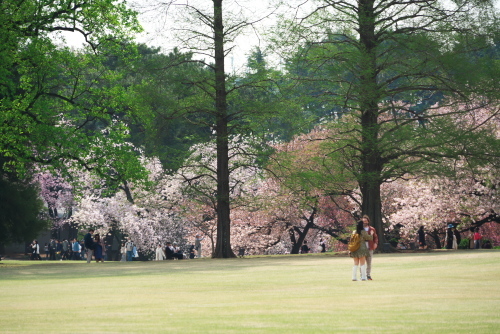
x=297 y=243
x=371 y=160
x=223 y=244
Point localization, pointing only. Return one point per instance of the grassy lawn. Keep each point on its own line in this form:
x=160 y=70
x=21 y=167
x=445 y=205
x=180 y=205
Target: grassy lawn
x=435 y=292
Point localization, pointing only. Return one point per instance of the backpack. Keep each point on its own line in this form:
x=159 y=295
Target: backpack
x=354 y=242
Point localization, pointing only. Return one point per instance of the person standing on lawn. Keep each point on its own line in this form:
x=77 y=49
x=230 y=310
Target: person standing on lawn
x=76 y=249
x=160 y=254
x=65 y=250
x=35 y=250
x=89 y=244
x=421 y=238
x=371 y=244
x=197 y=244
x=477 y=239
x=129 y=246
x=99 y=249
x=359 y=255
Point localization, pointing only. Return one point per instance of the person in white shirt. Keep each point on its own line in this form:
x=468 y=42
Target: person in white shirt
x=129 y=246
x=197 y=244
x=160 y=254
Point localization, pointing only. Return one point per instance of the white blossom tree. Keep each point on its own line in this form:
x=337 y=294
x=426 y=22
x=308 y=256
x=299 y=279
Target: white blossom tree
x=147 y=213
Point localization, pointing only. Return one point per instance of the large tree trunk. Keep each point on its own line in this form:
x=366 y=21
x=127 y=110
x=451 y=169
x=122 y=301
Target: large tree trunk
x=223 y=246
x=372 y=206
x=371 y=162
x=297 y=243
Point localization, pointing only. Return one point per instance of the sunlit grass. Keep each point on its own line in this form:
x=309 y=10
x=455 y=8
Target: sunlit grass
x=437 y=292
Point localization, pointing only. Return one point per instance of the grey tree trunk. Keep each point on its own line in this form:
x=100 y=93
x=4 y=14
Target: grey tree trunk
x=371 y=162
x=223 y=244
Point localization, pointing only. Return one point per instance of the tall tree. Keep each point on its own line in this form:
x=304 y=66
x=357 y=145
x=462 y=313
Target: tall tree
x=162 y=84
x=388 y=56
x=56 y=104
x=209 y=30
x=21 y=209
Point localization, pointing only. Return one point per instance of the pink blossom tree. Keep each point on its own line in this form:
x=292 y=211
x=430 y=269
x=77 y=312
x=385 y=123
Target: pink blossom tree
x=466 y=194
x=313 y=195
x=199 y=176
x=468 y=200
x=146 y=212
x=57 y=195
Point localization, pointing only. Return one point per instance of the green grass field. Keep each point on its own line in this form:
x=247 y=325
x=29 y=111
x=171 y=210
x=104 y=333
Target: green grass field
x=435 y=292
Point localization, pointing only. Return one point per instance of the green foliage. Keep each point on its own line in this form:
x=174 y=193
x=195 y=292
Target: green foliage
x=167 y=116
x=464 y=244
x=263 y=102
x=404 y=82
x=20 y=211
x=175 y=107
x=61 y=107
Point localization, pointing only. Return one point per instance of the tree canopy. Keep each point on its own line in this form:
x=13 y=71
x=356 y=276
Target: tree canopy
x=56 y=102
x=385 y=62
x=21 y=210
x=371 y=93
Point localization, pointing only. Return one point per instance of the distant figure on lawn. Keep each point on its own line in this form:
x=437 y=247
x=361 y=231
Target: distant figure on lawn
x=371 y=244
x=421 y=238
x=178 y=252
x=458 y=237
x=76 y=249
x=46 y=249
x=450 y=240
x=322 y=246
x=99 y=249
x=305 y=249
x=477 y=239
x=52 y=249
x=65 y=250
x=160 y=254
x=169 y=251
x=191 y=252
x=197 y=244
x=129 y=245
x=89 y=244
x=123 y=252
x=35 y=250
x=359 y=256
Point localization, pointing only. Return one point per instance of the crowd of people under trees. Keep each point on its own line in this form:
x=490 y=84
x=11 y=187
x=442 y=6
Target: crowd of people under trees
x=93 y=246
x=73 y=249
x=362 y=244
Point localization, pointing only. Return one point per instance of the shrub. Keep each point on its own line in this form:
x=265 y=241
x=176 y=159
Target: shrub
x=464 y=244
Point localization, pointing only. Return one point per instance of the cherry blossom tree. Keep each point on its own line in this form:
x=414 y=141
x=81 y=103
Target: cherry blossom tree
x=57 y=194
x=469 y=200
x=369 y=55
x=147 y=213
x=466 y=196
x=169 y=206
x=312 y=197
x=199 y=174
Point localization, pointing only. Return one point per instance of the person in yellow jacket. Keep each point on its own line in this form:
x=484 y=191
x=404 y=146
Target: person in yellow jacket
x=359 y=256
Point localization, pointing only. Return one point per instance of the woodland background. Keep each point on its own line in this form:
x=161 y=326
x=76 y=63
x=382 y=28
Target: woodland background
x=386 y=108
